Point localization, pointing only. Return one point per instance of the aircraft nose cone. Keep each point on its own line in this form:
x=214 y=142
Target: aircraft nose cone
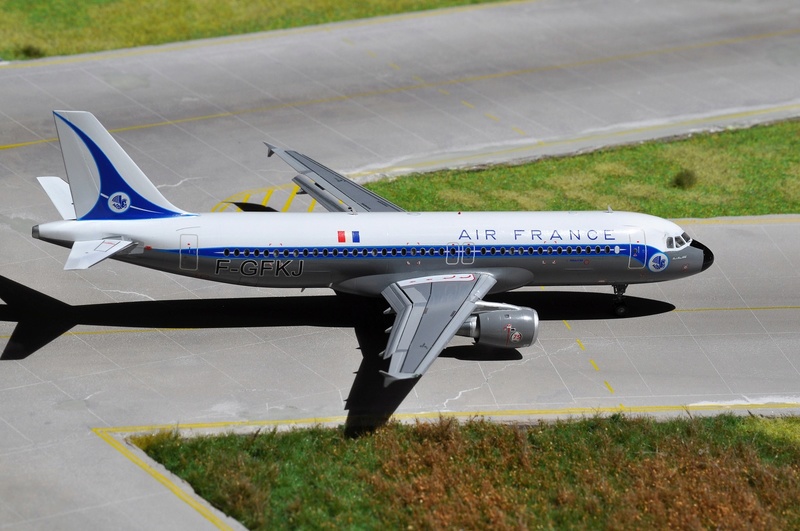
x=708 y=256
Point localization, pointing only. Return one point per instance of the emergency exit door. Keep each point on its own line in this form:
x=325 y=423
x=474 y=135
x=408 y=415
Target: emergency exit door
x=188 y=252
x=638 y=256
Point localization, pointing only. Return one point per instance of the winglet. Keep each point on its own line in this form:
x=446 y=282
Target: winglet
x=334 y=191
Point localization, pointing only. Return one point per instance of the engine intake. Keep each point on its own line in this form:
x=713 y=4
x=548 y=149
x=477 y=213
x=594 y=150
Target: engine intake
x=515 y=327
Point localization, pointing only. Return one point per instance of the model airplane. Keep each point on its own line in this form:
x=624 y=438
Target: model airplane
x=434 y=269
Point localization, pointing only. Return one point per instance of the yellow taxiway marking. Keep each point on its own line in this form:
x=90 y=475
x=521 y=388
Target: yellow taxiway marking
x=492 y=117
x=580 y=344
x=159 y=330
x=116 y=331
x=291 y=199
x=28 y=143
x=566 y=324
x=467 y=104
x=190 y=500
x=267 y=191
x=742 y=309
x=450 y=82
x=107 y=434
x=151 y=330
x=394 y=66
x=594 y=365
x=267 y=196
x=608 y=385
x=519 y=131
x=557 y=412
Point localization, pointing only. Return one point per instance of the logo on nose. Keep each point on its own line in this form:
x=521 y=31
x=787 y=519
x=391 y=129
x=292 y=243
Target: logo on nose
x=658 y=262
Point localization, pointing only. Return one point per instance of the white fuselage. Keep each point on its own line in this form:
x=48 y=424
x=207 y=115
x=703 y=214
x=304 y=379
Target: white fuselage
x=361 y=253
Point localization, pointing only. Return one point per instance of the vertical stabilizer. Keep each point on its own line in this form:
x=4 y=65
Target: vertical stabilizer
x=104 y=181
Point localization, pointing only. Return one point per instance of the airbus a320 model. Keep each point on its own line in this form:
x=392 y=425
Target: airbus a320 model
x=433 y=268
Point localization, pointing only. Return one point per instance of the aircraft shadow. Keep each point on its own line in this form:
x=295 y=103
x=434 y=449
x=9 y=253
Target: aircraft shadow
x=41 y=319
x=580 y=306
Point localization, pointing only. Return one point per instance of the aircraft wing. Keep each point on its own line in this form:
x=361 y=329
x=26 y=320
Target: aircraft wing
x=332 y=190
x=430 y=310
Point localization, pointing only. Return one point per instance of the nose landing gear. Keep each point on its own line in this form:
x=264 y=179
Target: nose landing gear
x=620 y=308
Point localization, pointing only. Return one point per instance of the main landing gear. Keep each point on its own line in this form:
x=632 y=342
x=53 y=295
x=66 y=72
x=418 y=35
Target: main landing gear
x=620 y=308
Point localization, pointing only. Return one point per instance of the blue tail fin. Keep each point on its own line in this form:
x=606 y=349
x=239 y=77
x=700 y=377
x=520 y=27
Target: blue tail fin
x=104 y=181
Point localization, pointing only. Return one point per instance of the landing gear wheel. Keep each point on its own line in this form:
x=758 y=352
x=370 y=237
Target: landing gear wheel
x=620 y=308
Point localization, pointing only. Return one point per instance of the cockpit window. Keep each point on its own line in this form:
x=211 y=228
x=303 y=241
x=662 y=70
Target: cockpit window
x=678 y=242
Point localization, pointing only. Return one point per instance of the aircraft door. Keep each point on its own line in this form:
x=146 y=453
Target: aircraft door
x=460 y=253
x=452 y=254
x=467 y=254
x=638 y=256
x=188 y=252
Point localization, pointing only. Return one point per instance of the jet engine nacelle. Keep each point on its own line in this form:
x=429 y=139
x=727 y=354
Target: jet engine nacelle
x=513 y=327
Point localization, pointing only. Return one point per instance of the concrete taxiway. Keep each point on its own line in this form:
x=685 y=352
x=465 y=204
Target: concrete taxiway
x=465 y=86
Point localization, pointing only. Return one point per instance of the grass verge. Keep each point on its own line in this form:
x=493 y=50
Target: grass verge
x=617 y=473
x=742 y=172
x=31 y=29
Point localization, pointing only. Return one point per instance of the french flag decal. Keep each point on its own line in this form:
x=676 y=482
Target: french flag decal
x=349 y=236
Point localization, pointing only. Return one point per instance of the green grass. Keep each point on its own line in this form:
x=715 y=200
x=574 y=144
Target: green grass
x=733 y=173
x=39 y=28
x=615 y=473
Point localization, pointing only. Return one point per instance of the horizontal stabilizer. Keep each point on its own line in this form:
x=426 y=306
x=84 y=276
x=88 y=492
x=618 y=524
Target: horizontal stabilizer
x=87 y=253
x=57 y=190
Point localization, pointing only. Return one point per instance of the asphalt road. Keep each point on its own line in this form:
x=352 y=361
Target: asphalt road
x=384 y=96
